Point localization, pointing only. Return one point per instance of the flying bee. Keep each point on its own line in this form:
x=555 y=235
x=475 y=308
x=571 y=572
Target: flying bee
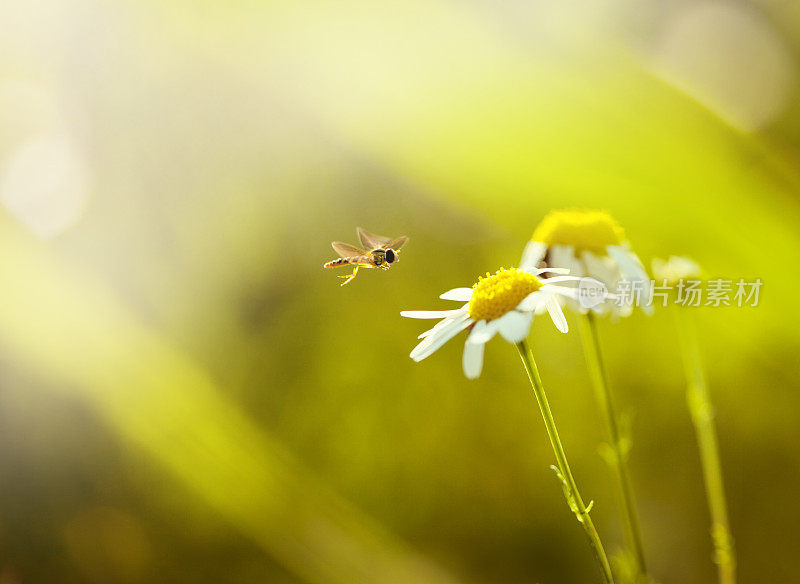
x=379 y=252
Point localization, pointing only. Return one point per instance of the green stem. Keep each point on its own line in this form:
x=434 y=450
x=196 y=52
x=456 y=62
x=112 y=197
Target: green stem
x=565 y=474
x=618 y=452
x=702 y=413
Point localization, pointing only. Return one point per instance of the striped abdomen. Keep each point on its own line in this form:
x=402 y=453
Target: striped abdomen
x=364 y=261
x=337 y=262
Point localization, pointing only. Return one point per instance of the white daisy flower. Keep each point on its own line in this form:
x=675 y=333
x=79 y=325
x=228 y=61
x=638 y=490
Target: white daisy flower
x=589 y=243
x=503 y=303
x=676 y=269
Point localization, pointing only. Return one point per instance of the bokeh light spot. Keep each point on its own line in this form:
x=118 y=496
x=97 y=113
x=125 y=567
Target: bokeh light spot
x=45 y=185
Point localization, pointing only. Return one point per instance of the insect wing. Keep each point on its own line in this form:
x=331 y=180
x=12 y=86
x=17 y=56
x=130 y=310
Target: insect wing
x=370 y=240
x=346 y=250
x=396 y=243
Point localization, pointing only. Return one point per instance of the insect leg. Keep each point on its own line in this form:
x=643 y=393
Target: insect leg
x=349 y=276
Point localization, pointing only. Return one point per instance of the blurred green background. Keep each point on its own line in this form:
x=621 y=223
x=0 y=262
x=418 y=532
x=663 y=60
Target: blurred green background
x=186 y=396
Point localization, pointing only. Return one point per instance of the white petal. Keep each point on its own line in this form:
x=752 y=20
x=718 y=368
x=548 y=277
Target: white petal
x=541 y=304
x=434 y=342
x=629 y=263
x=602 y=308
x=533 y=254
x=554 y=308
x=483 y=331
x=589 y=281
x=431 y=313
x=532 y=300
x=571 y=293
x=563 y=256
x=439 y=325
x=556 y=279
x=604 y=268
x=633 y=270
x=515 y=326
x=472 y=360
x=461 y=294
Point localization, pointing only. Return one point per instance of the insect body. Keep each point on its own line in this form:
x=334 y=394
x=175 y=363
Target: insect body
x=379 y=252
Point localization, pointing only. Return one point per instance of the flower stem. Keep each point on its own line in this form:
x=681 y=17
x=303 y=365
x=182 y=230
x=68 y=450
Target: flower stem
x=702 y=413
x=565 y=474
x=618 y=452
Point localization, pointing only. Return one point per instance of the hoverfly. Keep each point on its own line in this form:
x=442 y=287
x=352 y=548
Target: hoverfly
x=379 y=252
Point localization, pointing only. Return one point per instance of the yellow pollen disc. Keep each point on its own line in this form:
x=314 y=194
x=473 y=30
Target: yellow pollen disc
x=587 y=230
x=495 y=295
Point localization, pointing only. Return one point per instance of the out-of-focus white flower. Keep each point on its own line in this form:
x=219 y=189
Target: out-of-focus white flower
x=675 y=269
x=589 y=243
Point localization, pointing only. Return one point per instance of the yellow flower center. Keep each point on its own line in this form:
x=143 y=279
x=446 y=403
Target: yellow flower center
x=586 y=230
x=495 y=295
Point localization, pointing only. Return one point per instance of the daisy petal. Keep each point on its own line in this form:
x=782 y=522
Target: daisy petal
x=472 y=360
x=431 y=313
x=483 y=331
x=434 y=342
x=514 y=326
x=633 y=270
x=462 y=294
x=546 y=293
x=556 y=279
x=439 y=325
x=554 y=308
x=572 y=293
x=533 y=254
x=532 y=300
x=564 y=256
x=629 y=264
x=604 y=268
